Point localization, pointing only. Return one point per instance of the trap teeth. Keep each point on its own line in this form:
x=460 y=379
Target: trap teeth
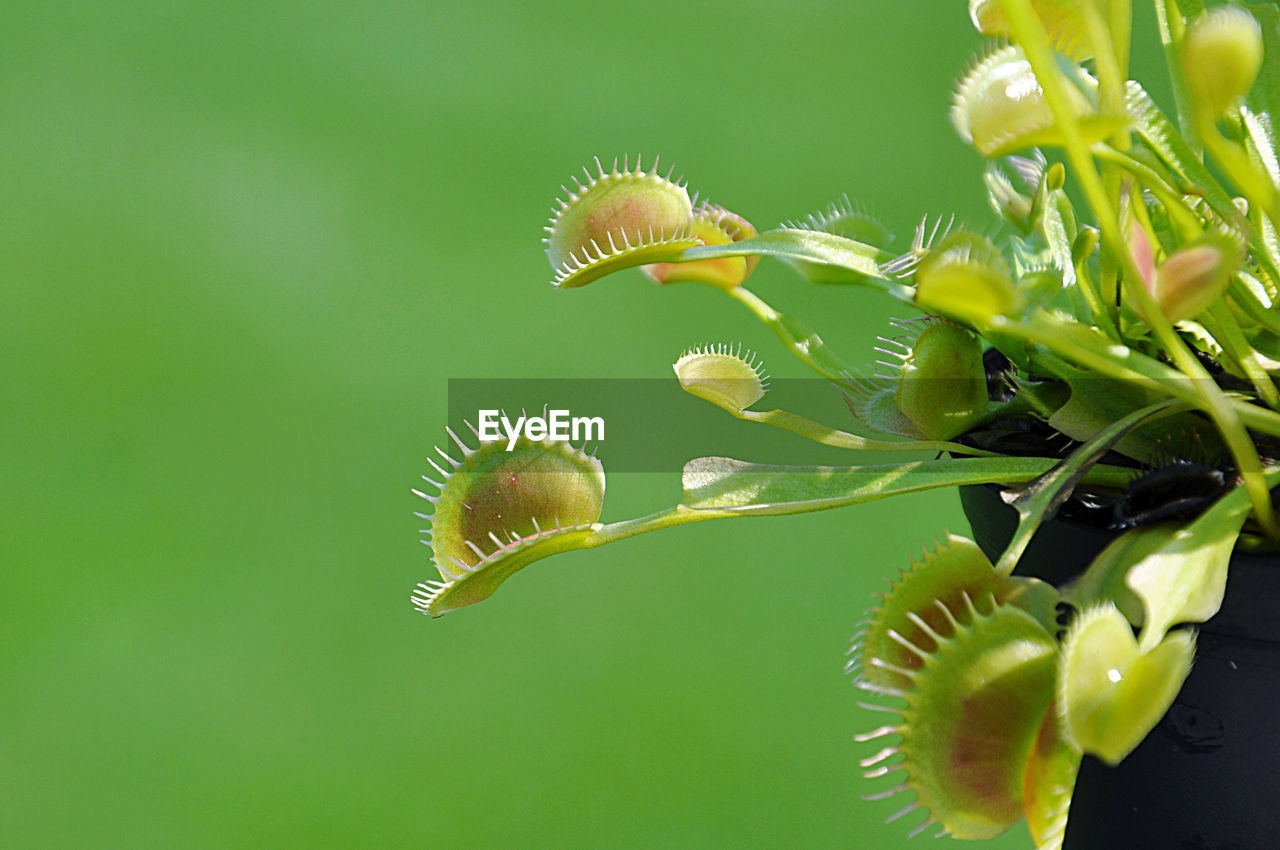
x=844 y=218
x=725 y=375
x=502 y=508
x=617 y=219
x=847 y=220
x=966 y=277
x=931 y=384
x=999 y=107
x=920 y=607
x=969 y=658
x=972 y=716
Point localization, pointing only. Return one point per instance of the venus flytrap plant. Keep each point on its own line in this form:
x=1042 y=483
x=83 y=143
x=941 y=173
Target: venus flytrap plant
x=1127 y=347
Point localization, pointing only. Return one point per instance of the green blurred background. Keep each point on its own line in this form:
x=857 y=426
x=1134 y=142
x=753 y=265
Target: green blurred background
x=244 y=247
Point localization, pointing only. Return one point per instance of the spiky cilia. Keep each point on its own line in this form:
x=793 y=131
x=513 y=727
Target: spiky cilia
x=498 y=509
x=723 y=374
x=618 y=218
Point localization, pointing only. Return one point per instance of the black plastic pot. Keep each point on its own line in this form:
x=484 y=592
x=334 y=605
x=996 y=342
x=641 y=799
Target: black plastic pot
x=1208 y=776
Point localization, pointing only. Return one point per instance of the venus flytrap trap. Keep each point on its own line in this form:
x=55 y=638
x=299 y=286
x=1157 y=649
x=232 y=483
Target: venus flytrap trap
x=1000 y=107
x=972 y=712
x=933 y=386
x=722 y=375
x=500 y=507
x=618 y=219
x=1115 y=359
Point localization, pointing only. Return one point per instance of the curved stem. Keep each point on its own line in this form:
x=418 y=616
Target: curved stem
x=993 y=471
x=801 y=340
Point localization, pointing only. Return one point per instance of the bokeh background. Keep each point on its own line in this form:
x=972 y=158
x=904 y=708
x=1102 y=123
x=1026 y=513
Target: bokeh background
x=243 y=249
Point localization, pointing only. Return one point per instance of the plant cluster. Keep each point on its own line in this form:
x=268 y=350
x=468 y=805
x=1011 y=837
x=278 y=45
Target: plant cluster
x=1114 y=351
